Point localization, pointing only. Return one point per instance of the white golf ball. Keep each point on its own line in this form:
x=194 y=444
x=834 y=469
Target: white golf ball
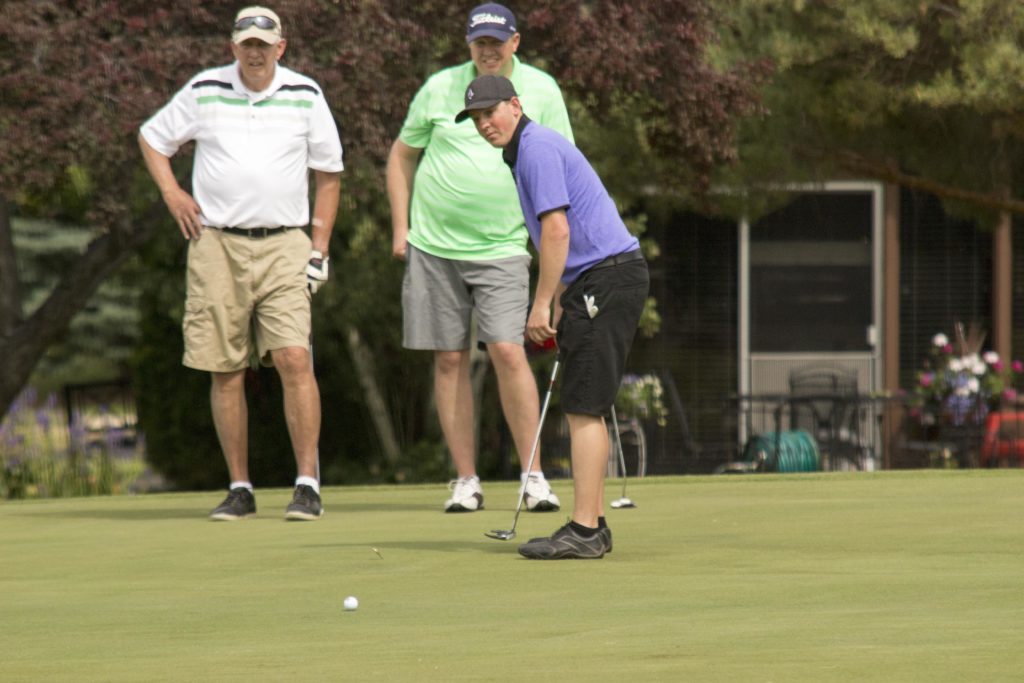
x=351 y=602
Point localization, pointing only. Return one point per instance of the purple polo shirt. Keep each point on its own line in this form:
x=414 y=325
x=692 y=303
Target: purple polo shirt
x=551 y=174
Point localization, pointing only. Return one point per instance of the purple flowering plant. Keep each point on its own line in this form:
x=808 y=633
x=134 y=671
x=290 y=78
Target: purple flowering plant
x=42 y=455
x=958 y=384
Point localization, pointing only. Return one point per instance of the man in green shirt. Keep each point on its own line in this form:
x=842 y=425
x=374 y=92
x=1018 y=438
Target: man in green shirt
x=457 y=223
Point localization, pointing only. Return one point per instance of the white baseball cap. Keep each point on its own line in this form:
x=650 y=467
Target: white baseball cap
x=257 y=22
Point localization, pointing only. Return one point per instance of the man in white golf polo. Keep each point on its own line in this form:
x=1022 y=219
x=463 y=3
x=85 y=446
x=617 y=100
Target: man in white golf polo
x=259 y=127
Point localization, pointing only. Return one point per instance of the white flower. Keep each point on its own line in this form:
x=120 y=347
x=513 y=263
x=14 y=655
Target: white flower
x=979 y=368
x=940 y=340
x=641 y=397
x=956 y=364
x=973 y=385
x=991 y=357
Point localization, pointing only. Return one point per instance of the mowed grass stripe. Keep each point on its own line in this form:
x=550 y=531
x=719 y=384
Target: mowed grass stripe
x=876 y=576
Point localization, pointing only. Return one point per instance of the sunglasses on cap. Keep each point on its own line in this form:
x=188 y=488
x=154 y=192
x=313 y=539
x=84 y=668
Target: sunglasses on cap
x=265 y=23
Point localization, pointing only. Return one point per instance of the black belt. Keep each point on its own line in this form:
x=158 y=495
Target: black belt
x=257 y=233
x=618 y=259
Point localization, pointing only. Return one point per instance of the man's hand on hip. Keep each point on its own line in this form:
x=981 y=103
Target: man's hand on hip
x=185 y=212
x=316 y=270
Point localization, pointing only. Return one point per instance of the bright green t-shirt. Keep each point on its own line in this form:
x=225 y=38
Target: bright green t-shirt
x=464 y=201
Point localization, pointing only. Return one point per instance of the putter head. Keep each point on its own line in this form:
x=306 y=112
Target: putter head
x=622 y=503
x=500 y=534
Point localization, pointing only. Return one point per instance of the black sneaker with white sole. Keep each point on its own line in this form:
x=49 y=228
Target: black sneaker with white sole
x=239 y=504
x=305 y=505
x=565 y=544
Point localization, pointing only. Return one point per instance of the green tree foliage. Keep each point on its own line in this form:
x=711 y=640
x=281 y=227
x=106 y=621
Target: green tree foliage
x=102 y=336
x=77 y=79
x=927 y=94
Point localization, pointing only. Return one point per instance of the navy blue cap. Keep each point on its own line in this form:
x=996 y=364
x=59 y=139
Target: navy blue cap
x=490 y=19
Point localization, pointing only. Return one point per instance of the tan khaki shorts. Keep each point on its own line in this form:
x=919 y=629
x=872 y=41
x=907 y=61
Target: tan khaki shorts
x=245 y=295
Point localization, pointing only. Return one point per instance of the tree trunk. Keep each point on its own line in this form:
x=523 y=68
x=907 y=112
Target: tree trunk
x=366 y=371
x=28 y=339
x=10 y=291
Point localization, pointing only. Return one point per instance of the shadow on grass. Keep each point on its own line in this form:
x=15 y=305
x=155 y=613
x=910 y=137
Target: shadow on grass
x=449 y=546
x=131 y=513
x=331 y=506
x=126 y=514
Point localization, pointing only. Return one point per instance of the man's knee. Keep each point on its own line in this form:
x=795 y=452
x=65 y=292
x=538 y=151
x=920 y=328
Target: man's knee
x=227 y=382
x=291 y=361
x=448 y=362
x=507 y=355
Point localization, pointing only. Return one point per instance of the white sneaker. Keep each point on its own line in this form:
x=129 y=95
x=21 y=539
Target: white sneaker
x=539 y=496
x=467 y=495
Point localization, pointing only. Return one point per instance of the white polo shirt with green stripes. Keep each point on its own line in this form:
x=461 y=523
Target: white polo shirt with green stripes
x=253 y=150
x=464 y=201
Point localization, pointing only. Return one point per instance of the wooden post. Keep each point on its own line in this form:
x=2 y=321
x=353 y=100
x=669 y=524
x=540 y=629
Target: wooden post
x=1002 y=286
x=892 y=414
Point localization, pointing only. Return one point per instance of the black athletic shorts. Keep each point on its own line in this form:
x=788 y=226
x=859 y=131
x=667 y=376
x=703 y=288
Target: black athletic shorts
x=594 y=348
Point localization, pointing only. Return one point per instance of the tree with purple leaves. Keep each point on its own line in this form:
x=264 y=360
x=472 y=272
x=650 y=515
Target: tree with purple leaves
x=77 y=79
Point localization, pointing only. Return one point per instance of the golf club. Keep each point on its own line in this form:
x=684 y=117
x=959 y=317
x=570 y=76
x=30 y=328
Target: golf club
x=501 y=534
x=622 y=502
x=312 y=367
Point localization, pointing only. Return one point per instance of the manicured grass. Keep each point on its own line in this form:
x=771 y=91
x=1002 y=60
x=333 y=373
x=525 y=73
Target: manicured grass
x=897 y=576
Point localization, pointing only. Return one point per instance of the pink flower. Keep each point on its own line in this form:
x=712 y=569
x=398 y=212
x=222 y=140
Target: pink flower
x=1017 y=366
x=927 y=378
x=1010 y=395
x=948 y=348
x=998 y=366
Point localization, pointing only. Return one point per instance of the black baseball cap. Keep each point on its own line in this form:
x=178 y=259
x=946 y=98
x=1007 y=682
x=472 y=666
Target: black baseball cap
x=485 y=92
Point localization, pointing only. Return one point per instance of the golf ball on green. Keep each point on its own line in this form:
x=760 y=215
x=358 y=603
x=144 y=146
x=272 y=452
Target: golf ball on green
x=351 y=603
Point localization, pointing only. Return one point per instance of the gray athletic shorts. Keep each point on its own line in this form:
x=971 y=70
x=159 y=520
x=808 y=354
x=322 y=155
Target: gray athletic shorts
x=440 y=297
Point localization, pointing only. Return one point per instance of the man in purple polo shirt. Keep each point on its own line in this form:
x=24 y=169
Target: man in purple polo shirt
x=593 y=276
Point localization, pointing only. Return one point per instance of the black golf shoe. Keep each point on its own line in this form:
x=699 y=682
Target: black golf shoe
x=604 y=532
x=565 y=544
x=305 y=505
x=239 y=504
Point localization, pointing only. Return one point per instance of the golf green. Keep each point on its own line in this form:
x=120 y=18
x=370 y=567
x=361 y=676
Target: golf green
x=894 y=576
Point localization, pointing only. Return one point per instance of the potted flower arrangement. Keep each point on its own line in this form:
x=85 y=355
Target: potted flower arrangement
x=640 y=396
x=959 y=385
